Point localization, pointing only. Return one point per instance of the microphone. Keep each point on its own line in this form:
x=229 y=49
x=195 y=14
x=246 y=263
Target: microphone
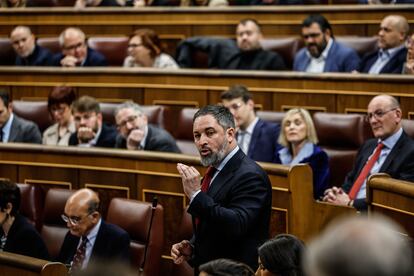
x=153 y=208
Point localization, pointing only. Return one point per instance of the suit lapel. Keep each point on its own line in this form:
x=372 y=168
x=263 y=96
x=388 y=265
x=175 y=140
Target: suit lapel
x=99 y=241
x=14 y=130
x=394 y=152
x=224 y=176
x=330 y=60
x=255 y=137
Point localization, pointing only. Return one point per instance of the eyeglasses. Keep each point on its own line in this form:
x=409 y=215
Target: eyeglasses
x=134 y=45
x=74 y=47
x=130 y=120
x=378 y=114
x=311 y=35
x=74 y=220
x=235 y=106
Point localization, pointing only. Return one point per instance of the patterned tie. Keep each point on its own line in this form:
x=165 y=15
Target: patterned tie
x=79 y=255
x=365 y=172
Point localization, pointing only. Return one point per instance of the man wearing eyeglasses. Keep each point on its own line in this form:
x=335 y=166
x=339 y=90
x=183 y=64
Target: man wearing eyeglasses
x=391 y=152
x=391 y=53
x=256 y=138
x=322 y=52
x=90 y=129
x=90 y=237
x=75 y=51
x=136 y=134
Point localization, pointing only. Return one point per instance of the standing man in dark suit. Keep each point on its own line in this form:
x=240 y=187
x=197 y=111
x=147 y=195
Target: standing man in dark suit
x=75 y=51
x=90 y=129
x=256 y=138
x=322 y=52
x=231 y=208
x=136 y=134
x=391 y=55
x=14 y=128
x=392 y=146
x=27 y=51
x=90 y=237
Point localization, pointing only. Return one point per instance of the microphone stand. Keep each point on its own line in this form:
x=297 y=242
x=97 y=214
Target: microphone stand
x=153 y=208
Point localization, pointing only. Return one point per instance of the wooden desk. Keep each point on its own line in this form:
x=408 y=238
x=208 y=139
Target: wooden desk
x=393 y=198
x=177 y=23
x=143 y=175
x=19 y=265
x=277 y=91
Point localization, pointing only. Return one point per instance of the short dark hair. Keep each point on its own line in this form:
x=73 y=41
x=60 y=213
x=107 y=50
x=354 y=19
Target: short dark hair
x=226 y=267
x=254 y=21
x=320 y=20
x=150 y=40
x=9 y=193
x=60 y=95
x=86 y=104
x=5 y=97
x=236 y=91
x=220 y=113
x=282 y=255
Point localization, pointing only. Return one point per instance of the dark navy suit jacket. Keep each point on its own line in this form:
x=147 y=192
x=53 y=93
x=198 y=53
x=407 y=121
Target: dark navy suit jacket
x=112 y=243
x=319 y=162
x=93 y=58
x=340 y=59
x=263 y=144
x=234 y=214
x=399 y=164
x=394 y=65
x=40 y=57
x=106 y=139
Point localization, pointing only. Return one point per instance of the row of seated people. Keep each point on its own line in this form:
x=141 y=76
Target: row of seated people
x=116 y=232
x=340 y=135
x=323 y=52
x=141 y=3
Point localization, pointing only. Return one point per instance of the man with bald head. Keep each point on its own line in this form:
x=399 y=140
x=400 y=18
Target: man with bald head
x=391 y=152
x=75 y=51
x=27 y=51
x=391 y=53
x=89 y=237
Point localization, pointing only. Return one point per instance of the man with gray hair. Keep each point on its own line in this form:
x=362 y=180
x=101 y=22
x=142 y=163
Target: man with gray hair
x=360 y=246
x=75 y=51
x=136 y=134
x=27 y=51
x=231 y=206
x=391 y=53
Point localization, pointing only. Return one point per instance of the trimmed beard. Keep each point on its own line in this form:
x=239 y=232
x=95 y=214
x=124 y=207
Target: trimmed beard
x=215 y=158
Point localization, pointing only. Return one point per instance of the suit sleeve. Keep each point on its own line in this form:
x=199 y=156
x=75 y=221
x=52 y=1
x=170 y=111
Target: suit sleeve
x=352 y=61
x=320 y=169
x=246 y=199
x=32 y=134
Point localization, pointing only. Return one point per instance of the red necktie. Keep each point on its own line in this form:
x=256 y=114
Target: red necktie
x=207 y=179
x=365 y=171
x=205 y=184
x=79 y=255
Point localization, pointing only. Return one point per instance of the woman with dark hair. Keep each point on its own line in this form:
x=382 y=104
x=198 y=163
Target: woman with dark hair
x=145 y=50
x=281 y=256
x=58 y=103
x=17 y=234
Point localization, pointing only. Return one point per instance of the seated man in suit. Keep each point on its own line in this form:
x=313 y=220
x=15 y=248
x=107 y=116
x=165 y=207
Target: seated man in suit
x=136 y=134
x=27 y=51
x=256 y=138
x=231 y=206
x=12 y=127
x=89 y=237
x=75 y=51
x=322 y=52
x=391 y=55
x=90 y=129
x=246 y=54
x=99 y=3
x=391 y=152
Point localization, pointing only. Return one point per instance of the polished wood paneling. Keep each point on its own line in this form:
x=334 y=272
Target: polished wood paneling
x=278 y=91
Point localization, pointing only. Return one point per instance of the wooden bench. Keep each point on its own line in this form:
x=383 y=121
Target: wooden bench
x=19 y=265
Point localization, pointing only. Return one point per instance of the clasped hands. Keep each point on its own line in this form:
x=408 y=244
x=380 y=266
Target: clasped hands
x=337 y=196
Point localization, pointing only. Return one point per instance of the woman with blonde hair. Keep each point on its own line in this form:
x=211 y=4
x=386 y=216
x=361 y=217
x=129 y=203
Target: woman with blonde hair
x=299 y=140
x=145 y=50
